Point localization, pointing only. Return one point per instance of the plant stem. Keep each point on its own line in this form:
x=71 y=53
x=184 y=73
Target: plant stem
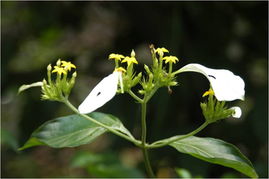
x=129 y=138
x=147 y=97
x=143 y=138
x=168 y=141
x=135 y=96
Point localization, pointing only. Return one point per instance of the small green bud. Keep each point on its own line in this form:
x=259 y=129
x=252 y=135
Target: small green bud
x=133 y=53
x=44 y=82
x=136 y=79
x=58 y=63
x=49 y=67
x=150 y=77
x=147 y=69
x=172 y=83
x=141 y=92
x=74 y=75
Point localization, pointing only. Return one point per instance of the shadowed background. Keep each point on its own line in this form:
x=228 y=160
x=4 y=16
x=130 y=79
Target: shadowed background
x=230 y=35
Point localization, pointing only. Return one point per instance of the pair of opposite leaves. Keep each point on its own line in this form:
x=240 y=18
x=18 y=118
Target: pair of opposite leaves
x=226 y=86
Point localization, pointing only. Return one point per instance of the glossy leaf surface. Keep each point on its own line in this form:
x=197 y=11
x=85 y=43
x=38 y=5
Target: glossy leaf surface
x=216 y=151
x=72 y=131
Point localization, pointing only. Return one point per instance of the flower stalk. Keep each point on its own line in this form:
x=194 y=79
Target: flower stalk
x=143 y=139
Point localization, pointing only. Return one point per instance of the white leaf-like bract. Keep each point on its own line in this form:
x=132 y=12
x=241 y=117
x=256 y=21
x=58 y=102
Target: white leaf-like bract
x=104 y=91
x=237 y=112
x=226 y=85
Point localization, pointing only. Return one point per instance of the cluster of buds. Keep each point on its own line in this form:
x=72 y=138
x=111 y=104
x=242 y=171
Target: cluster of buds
x=59 y=88
x=214 y=110
x=159 y=75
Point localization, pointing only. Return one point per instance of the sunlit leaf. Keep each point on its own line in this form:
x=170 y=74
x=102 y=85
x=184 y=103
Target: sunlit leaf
x=72 y=131
x=216 y=151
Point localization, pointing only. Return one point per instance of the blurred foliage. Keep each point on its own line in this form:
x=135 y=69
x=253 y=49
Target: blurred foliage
x=231 y=35
x=103 y=165
x=183 y=173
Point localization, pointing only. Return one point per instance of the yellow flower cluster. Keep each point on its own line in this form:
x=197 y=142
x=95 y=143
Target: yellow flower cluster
x=63 y=67
x=128 y=59
x=168 y=59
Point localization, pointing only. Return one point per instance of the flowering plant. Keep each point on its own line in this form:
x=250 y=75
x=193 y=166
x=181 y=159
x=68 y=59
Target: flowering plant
x=86 y=125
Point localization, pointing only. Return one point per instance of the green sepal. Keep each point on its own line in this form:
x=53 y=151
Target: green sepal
x=214 y=110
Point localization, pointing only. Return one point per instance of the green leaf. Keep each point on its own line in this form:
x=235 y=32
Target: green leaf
x=72 y=131
x=25 y=87
x=216 y=151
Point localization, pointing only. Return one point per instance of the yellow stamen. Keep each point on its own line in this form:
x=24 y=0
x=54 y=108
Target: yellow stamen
x=209 y=92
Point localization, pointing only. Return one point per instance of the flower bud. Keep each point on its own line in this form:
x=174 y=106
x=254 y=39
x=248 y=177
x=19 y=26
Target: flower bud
x=150 y=77
x=44 y=82
x=141 y=92
x=147 y=69
x=136 y=79
x=133 y=53
x=173 y=83
x=49 y=67
x=58 y=63
x=74 y=75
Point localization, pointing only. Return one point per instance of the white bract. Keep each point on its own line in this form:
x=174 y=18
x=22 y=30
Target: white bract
x=237 y=112
x=226 y=85
x=104 y=91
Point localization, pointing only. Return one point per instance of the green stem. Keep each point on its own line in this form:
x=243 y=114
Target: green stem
x=168 y=141
x=170 y=67
x=129 y=138
x=152 y=92
x=135 y=96
x=143 y=138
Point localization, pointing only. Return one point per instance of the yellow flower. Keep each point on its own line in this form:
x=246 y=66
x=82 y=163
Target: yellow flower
x=120 y=69
x=59 y=70
x=170 y=59
x=129 y=60
x=161 y=51
x=115 y=56
x=209 y=92
x=67 y=65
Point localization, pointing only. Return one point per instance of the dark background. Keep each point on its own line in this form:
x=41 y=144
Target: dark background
x=230 y=35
